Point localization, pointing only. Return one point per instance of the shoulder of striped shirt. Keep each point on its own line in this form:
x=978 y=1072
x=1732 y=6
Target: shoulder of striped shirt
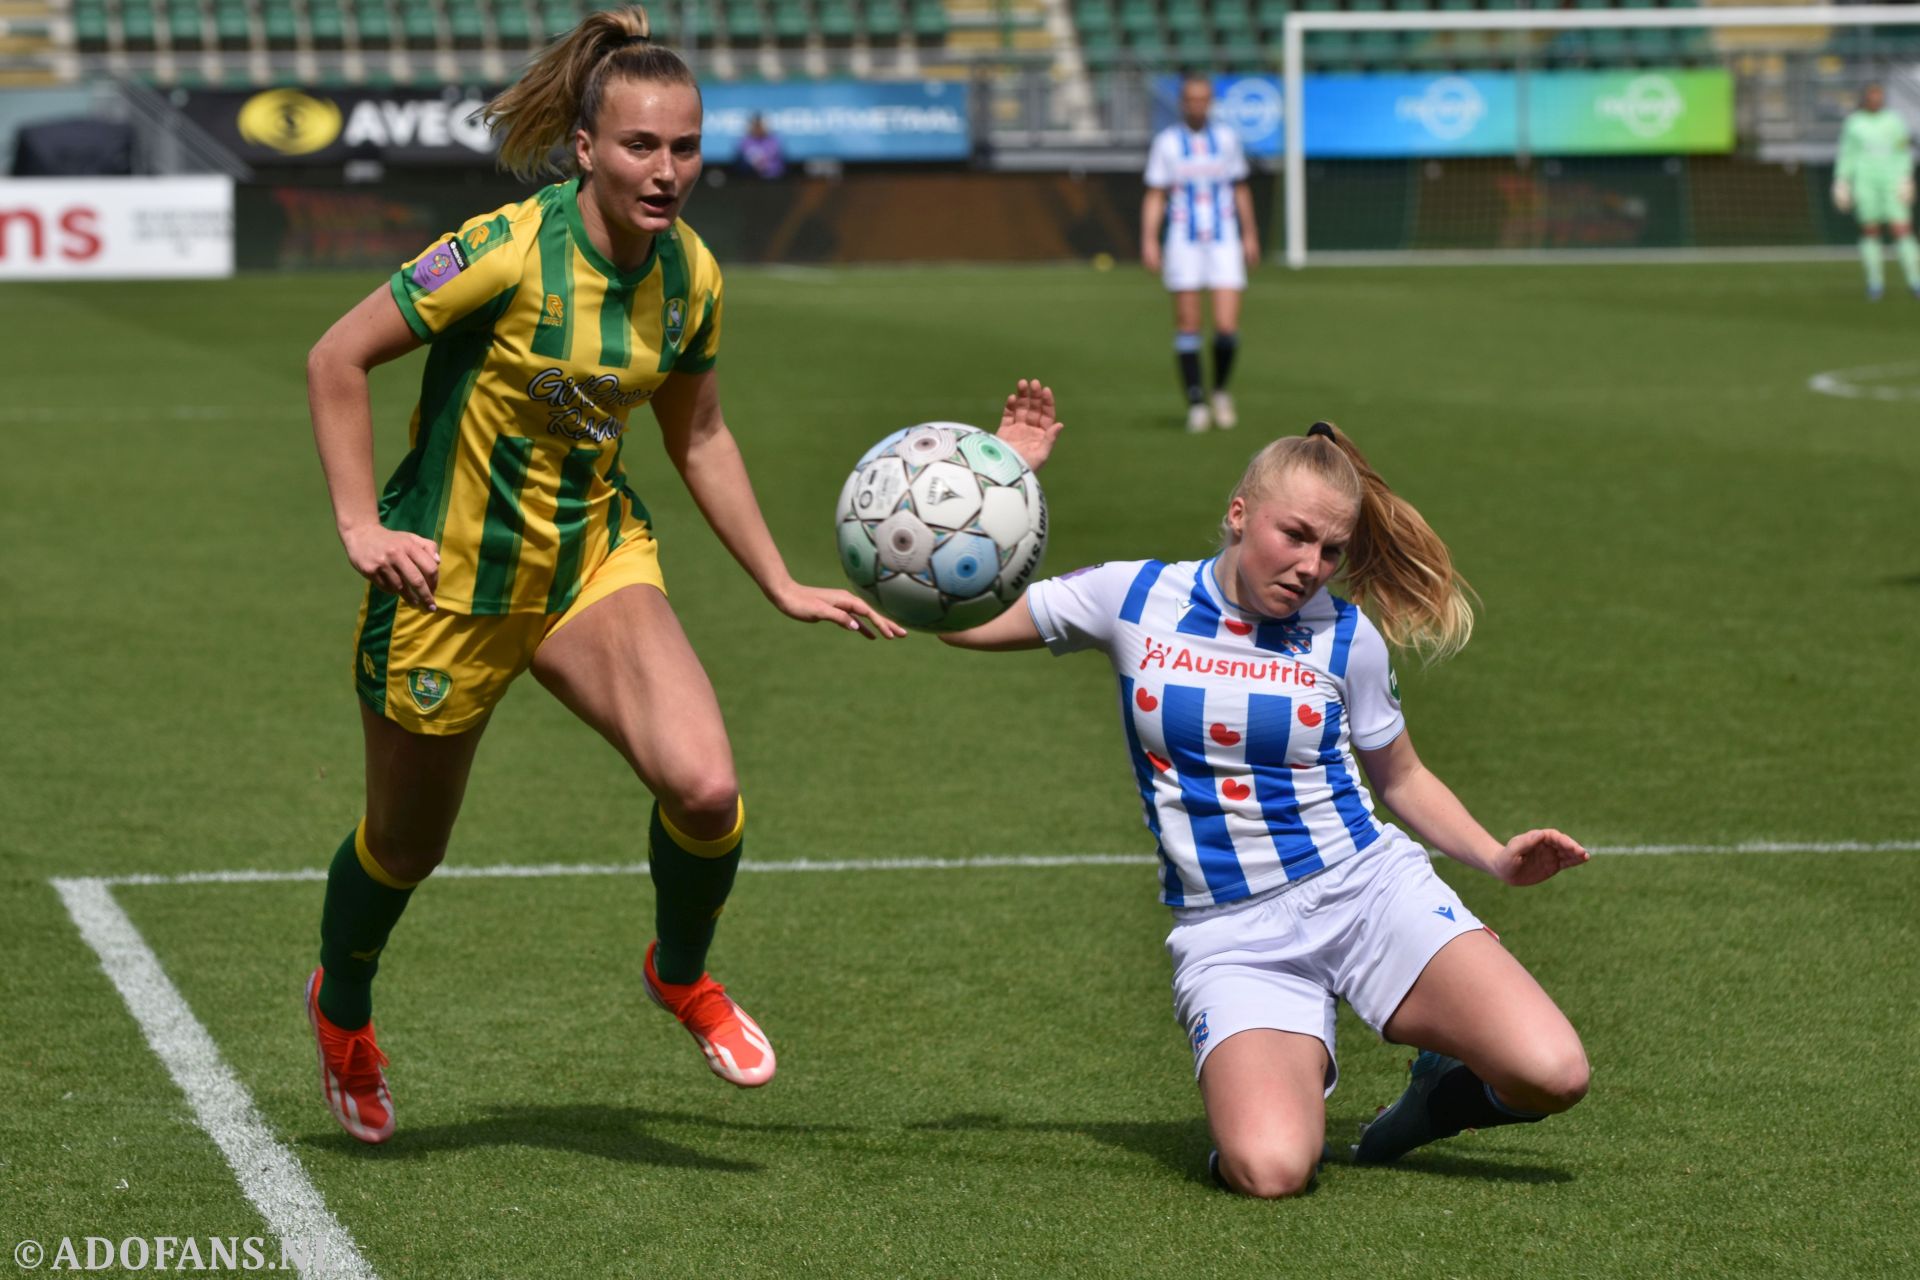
x=694 y=248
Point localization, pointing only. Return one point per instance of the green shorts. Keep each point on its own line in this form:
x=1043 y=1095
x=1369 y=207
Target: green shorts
x=1877 y=200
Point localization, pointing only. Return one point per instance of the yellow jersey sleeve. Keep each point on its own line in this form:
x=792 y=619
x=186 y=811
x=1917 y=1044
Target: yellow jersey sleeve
x=469 y=275
x=704 y=298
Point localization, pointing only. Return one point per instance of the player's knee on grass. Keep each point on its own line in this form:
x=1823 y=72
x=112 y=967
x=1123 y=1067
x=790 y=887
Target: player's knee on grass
x=1268 y=1173
x=1551 y=1078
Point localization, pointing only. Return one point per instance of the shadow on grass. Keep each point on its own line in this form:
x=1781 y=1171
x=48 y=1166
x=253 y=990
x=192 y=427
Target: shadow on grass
x=1901 y=580
x=1182 y=1146
x=626 y=1134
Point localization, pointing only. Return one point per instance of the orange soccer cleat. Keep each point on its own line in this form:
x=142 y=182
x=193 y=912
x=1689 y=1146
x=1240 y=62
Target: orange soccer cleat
x=737 y=1050
x=353 y=1079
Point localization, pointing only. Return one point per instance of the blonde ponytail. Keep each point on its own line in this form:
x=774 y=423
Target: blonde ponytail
x=1396 y=565
x=563 y=86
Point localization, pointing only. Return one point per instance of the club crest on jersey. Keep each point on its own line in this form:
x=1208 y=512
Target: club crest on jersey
x=673 y=320
x=429 y=688
x=555 y=312
x=1294 y=637
x=438 y=265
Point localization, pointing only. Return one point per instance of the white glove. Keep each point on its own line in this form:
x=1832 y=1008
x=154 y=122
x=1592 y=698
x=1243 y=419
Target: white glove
x=1842 y=196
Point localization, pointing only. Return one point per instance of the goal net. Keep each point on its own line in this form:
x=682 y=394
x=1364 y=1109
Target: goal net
x=1490 y=134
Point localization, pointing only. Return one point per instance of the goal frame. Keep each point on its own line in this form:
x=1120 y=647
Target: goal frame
x=1299 y=22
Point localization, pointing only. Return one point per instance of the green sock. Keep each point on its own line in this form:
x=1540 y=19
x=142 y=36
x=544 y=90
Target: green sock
x=363 y=904
x=1870 y=258
x=1909 y=259
x=691 y=880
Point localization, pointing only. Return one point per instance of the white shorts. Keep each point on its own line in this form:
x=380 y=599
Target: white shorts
x=1361 y=930
x=1186 y=265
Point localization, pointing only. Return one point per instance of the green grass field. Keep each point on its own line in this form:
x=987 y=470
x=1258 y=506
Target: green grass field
x=1702 y=587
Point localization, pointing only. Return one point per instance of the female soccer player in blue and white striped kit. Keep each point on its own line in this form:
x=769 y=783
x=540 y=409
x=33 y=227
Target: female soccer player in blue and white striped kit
x=1251 y=697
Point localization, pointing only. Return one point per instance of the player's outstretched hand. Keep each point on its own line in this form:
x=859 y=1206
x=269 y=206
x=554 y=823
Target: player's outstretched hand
x=402 y=564
x=1026 y=423
x=827 y=604
x=1534 y=856
x=1843 y=197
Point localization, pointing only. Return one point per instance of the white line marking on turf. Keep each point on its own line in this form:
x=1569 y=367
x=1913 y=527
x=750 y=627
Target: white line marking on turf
x=266 y=1170
x=1858 y=384
x=986 y=862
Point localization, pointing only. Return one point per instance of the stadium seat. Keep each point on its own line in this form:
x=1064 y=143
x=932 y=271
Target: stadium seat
x=90 y=25
x=743 y=21
x=417 y=24
x=883 y=20
x=326 y=23
x=837 y=23
x=230 y=25
x=510 y=24
x=137 y=25
x=183 y=25
x=792 y=22
x=280 y=24
x=371 y=20
x=929 y=21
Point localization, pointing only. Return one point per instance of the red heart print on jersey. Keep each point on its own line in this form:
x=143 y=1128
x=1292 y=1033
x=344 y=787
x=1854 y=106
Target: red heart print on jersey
x=1239 y=628
x=1235 y=790
x=1144 y=700
x=1309 y=717
x=1223 y=735
x=1158 y=763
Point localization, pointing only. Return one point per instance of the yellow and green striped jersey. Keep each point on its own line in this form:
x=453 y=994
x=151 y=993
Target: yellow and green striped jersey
x=540 y=348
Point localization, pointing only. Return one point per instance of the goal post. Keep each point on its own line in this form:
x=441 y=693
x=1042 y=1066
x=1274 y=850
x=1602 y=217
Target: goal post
x=1533 y=110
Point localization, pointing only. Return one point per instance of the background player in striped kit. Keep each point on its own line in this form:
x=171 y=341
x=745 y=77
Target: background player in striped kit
x=1248 y=696
x=510 y=538
x=1197 y=230
x=1873 y=179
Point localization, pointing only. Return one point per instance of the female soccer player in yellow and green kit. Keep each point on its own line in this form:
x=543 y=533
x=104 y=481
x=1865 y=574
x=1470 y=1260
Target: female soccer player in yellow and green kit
x=510 y=538
x=1873 y=180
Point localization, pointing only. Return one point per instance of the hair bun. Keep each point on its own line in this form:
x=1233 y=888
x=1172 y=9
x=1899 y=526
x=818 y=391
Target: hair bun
x=1322 y=429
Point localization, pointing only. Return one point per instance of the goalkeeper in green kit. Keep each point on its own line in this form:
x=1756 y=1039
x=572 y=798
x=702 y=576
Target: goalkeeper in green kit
x=1874 y=181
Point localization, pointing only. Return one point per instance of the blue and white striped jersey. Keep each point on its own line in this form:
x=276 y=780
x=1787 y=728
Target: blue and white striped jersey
x=1198 y=168
x=1240 y=727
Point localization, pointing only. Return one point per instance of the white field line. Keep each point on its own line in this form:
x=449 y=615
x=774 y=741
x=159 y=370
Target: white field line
x=1866 y=382
x=268 y=1173
x=547 y=869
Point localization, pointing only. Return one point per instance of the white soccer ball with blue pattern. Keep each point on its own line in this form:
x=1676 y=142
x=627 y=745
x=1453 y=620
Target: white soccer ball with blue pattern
x=942 y=526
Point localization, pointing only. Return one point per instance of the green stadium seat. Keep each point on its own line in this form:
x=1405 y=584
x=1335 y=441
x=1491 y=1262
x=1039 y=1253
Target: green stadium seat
x=929 y=21
x=743 y=22
x=281 y=24
x=511 y=25
x=1193 y=46
x=1138 y=16
x=136 y=25
x=1100 y=47
x=90 y=26
x=375 y=26
x=556 y=19
x=791 y=22
x=183 y=26
x=1233 y=21
x=467 y=23
x=1270 y=16
x=231 y=27
x=1184 y=16
x=1653 y=44
x=884 y=21
x=837 y=21
x=326 y=23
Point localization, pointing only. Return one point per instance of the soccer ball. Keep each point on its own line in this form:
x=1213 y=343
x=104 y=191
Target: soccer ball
x=942 y=526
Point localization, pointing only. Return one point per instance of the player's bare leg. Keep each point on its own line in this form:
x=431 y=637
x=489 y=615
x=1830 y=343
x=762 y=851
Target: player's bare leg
x=414 y=786
x=1186 y=350
x=625 y=667
x=1265 y=1093
x=1497 y=1050
x=1226 y=343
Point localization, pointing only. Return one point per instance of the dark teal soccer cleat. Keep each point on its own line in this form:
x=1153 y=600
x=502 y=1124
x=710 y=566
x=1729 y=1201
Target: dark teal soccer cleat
x=1407 y=1123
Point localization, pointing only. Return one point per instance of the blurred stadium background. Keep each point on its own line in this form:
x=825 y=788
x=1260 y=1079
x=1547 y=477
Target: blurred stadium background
x=990 y=130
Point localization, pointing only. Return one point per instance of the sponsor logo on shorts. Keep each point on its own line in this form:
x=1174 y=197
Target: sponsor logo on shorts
x=1199 y=1034
x=429 y=688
